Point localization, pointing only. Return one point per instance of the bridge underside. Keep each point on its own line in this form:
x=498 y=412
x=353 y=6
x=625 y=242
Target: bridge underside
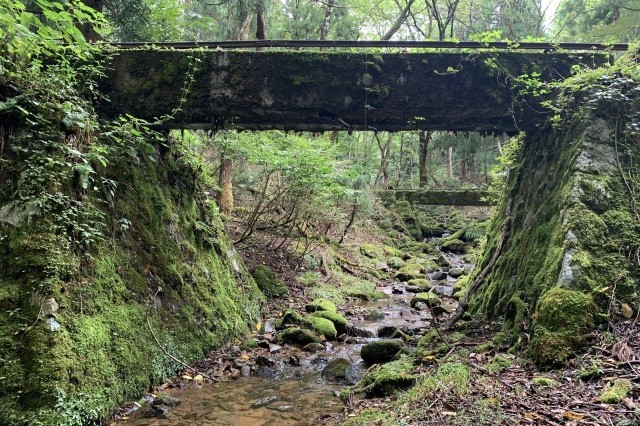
x=319 y=91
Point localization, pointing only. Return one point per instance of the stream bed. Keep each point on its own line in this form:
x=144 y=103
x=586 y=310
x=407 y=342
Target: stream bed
x=286 y=385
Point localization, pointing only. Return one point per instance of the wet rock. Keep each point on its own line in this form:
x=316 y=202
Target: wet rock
x=266 y=372
x=454 y=246
x=436 y=311
x=395 y=262
x=397 y=290
x=442 y=290
x=413 y=289
x=406 y=314
x=293 y=360
x=429 y=299
x=390 y=331
x=456 y=272
x=282 y=408
x=359 y=332
x=374 y=316
x=160 y=411
x=297 y=336
x=314 y=347
x=381 y=351
x=265 y=360
x=263 y=402
x=167 y=400
x=420 y=306
x=438 y=276
x=355 y=340
x=336 y=370
x=245 y=371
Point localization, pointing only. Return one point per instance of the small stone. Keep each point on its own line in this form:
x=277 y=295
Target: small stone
x=381 y=266
x=245 y=371
x=53 y=324
x=168 y=400
x=266 y=372
x=264 y=360
x=161 y=411
x=273 y=348
x=454 y=246
x=421 y=306
x=49 y=307
x=397 y=290
x=263 y=402
x=359 y=332
x=443 y=261
x=389 y=331
x=626 y=310
x=269 y=326
x=414 y=289
x=313 y=347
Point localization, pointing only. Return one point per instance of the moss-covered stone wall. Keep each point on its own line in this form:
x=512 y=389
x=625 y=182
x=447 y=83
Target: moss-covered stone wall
x=76 y=325
x=571 y=256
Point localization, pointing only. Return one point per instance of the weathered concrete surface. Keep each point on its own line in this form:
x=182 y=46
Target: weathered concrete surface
x=318 y=91
x=436 y=197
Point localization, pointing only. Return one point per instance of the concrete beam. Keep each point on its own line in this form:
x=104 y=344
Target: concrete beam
x=436 y=197
x=318 y=91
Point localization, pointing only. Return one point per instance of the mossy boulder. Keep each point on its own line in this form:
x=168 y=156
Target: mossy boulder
x=395 y=262
x=297 y=336
x=420 y=247
x=430 y=299
x=338 y=370
x=268 y=283
x=454 y=246
x=543 y=382
x=338 y=320
x=289 y=317
x=385 y=379
x=392 y=251
x=321 y=326
x=321 y=305
x=410 y=271
x=421 y=282
x=561 y=326
x=381 y=351
x=372 y=251
x=616 y=391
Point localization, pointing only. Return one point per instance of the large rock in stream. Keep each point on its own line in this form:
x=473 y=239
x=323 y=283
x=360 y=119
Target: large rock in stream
x=381 y=351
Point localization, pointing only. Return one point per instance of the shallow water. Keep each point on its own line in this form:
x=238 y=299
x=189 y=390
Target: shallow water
x=296 y=401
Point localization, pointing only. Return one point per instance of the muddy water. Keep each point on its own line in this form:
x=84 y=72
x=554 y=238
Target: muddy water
x=296 y=394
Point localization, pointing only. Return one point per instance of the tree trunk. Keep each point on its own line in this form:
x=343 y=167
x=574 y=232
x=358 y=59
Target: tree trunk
x=450 y=162
x=261 y=24
x=87 y=30
x=326 y=23
x=225 y=181
x=423 y=172
x=398 y=23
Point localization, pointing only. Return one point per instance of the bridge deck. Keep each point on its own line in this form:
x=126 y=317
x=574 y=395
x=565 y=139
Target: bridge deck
x=320 y=91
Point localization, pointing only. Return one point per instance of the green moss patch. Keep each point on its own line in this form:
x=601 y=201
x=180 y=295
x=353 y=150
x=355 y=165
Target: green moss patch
x=616 y=392
x=321 y=305
x=268 y=283
x=321 y=326
x=385 y=379
x=339 y=321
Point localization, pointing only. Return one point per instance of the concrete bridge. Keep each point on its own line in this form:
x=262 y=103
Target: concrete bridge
x=323 y=91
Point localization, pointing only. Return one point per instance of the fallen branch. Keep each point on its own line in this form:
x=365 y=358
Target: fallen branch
x=464 y=302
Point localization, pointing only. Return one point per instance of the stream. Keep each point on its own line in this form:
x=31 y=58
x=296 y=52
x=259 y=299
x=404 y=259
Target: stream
x=287 y=387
